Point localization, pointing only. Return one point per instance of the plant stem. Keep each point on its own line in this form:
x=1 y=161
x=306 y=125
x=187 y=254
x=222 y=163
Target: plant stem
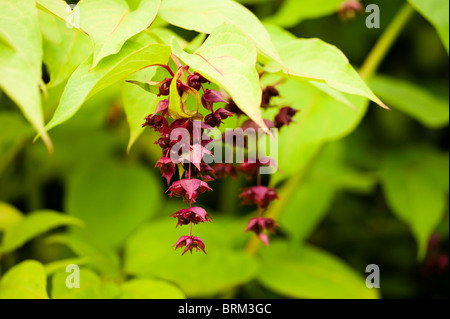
x=385 y=42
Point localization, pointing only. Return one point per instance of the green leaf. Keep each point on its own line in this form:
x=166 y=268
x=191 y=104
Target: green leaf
x=228 y=59
x=137 y=104
x=205 y=15
x=85 y=82
x=430 y=110
x=415 y=184
x=313 y=59
x=321 y=119
x=9 y=216
x=112 y=200
x=64 y=48
x=24 y=281
x=149 y=252
x=308 y=272
x=21 y=60
x=91 y=287
x=15 y=134
x=177 y=103
x=33 y=225
x=308 y=195
x=292 y=12
x=435 y=11
x=103 y=259
x=110 y=23
x=143 y=288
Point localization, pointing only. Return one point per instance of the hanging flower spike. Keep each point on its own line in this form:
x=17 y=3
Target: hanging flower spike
x=195 y=81
x=188 y=188
x=259 y=195
x=167 y=168
x=190 y=242
x=249 y=168
x=210 y=97
x=284 y=117
x=258 y=225
x=192 y=214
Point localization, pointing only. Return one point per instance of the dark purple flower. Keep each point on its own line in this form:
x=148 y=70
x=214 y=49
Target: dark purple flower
x=190 y=242
x=167 y=168
x=215 y=118
x=267 y=94
x=189 y=189
x=210 y=97
x=259 y=224
x=233 y=108
x=157 y=122
x=164 y=89
x=284 y=116
x=259 y=195
x=222 y=170
x=250 y=167
x=192 y=214
x=195 y=80
x=251 y=124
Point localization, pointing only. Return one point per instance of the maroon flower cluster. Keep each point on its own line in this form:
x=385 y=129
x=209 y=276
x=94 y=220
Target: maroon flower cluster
x=196 y=173
x=186 y=172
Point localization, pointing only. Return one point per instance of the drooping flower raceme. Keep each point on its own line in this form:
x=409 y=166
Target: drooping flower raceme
x=184 y=147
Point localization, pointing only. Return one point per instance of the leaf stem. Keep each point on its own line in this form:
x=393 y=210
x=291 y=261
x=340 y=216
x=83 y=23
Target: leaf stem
x=385 y=42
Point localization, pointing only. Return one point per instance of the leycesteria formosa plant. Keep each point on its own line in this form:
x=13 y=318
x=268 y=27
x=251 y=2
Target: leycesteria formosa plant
x=186 y=156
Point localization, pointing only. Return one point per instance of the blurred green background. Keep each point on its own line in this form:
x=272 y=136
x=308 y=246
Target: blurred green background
x=369 y=196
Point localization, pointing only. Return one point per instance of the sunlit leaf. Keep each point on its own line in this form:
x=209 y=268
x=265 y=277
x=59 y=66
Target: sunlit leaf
x=91 y=286
x=293 y=12
x=21 y=60
x=9 y=216
x=24 y=281
x=313 y=59
x=228 y=59
x=34 y=225
x=205 y=15
x=84 y=82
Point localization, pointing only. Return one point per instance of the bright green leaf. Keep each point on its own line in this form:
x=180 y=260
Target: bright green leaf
x=91 y=287
x=432 y=111
x=21 y=60
x=293 y=12
x=110 y=23
x=83 y=83
x=308 y=272
x=415 y=184
x=113 y=200
x=33 y=225
x=24 y=281
x=435 y=11
x=143 y=288
x=313 y=59
x=228 y=59
x=9 y=216
x=64 y=48
x=205 y=15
